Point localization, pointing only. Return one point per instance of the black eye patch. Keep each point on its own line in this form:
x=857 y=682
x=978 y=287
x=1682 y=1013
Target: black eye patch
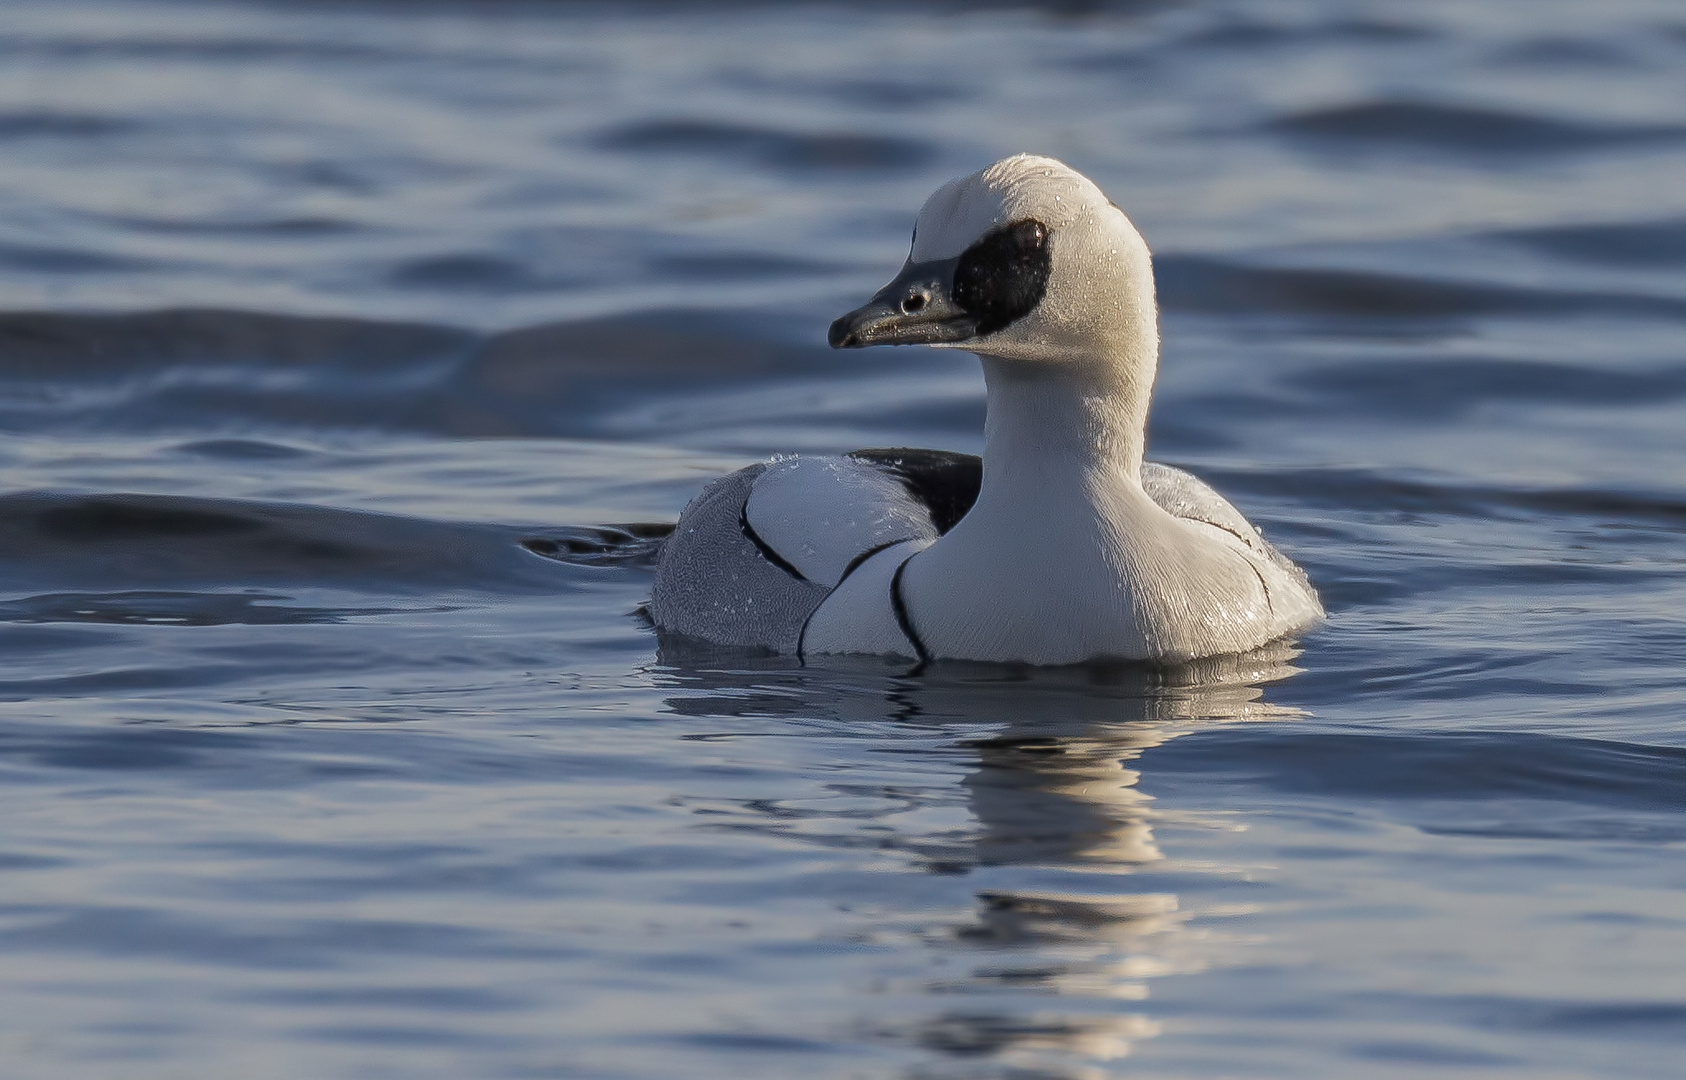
x=1001 y=278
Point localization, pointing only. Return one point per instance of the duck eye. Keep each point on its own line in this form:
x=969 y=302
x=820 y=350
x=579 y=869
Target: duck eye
x=914 y=303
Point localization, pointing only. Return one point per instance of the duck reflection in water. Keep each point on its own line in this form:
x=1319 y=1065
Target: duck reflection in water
x=1051 y=791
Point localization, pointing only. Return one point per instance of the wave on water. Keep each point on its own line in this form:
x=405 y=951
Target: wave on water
x=1216 y=286
x=1467 y=132
x=1473 y=783
x=67 y=541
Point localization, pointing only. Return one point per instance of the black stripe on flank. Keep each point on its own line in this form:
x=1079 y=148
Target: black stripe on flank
x=899 y=606
x=1264 y=587
x=860 y=560
x=763 y=547
x=854 y=564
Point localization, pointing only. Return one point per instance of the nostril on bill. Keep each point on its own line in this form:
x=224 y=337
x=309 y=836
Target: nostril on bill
x=914 y=303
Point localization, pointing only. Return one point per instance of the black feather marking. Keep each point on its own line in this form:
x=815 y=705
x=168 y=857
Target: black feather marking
x=763 y=547
x=946 y=482
x=1002 y=277
x=856 y=562
x=899 y=606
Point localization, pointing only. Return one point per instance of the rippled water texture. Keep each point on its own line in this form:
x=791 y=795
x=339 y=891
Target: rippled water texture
x=333 y=337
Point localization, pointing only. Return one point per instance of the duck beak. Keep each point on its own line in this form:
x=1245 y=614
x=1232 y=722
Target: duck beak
x=917 y=308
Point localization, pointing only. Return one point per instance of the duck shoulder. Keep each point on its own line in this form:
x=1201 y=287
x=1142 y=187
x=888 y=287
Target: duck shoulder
x=1184 y=495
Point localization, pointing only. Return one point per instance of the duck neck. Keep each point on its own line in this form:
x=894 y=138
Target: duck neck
x=1051 y=429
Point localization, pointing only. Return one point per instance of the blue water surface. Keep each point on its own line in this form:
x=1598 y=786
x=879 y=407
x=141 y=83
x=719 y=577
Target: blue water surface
x=345 y=349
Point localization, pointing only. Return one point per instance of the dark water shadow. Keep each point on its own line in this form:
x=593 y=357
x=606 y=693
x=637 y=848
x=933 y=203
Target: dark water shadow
x=140 y=546
x=1373 y=490
x=55 y=124
x=768 y=148
x=1513 y=785
x=1207 y=285
x=1630 y=244
x=160 y=608
x=1241 y=33
x=1443 y=387
x=1464 y=133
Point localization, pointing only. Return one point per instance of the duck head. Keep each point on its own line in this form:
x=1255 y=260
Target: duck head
x=1026 y=260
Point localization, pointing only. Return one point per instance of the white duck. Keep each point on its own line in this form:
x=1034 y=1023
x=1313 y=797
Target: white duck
x=1069 y=548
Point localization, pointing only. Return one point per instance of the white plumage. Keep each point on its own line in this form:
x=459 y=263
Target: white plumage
x=1073 y=548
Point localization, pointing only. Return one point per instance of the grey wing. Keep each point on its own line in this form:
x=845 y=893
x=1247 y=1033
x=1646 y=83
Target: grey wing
x=714 y=582
x=759 y=550
x=1185 y=495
